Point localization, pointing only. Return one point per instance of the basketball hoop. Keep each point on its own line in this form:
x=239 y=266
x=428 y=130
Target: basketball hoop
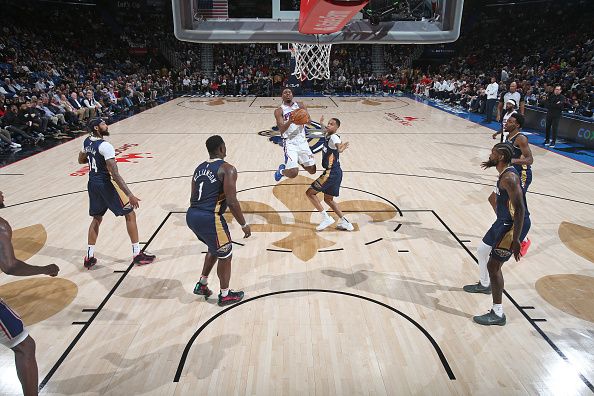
x=312 y=61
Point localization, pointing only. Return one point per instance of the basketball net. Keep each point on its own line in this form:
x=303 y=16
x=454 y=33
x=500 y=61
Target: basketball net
x=312 y=61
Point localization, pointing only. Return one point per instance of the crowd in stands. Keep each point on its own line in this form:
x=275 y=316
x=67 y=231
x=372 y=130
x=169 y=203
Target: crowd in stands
x=53 y=78
x=533 y=56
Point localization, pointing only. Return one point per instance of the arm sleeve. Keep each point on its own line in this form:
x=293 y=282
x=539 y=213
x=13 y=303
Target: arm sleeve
x=334 y=140
x=82 y=150
x=107 y=150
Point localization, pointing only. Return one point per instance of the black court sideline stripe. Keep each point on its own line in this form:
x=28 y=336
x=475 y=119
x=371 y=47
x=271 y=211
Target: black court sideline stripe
x=438 y=350
x=96 y=312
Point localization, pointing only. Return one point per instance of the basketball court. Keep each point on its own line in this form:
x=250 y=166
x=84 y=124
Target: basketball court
x=379 y=310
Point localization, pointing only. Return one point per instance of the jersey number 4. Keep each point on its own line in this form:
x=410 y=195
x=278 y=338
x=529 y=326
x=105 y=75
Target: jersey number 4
x=92 y=164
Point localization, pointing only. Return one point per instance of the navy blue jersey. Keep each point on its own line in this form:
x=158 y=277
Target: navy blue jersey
x=207 y=189
x=505 y=208
x=98 y=171
x=525 y=171
x=329 y=181
x=330 y=156
x=517 y=153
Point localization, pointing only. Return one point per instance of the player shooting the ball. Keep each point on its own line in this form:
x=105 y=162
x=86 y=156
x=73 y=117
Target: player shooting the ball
x=290 y=120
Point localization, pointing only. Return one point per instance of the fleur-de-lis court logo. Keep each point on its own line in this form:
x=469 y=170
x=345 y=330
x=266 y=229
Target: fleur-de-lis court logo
x=299 y=221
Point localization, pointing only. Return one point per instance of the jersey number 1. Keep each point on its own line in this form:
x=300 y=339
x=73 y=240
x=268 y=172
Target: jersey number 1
x=200 y=190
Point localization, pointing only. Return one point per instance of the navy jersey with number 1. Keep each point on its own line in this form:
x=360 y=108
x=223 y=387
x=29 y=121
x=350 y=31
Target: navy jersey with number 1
x=207 y=205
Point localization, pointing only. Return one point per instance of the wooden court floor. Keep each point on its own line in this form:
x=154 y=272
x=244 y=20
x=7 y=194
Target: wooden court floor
x=376 y=311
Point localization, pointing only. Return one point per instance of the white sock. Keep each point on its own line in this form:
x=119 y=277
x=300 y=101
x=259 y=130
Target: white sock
x=203 y=279
x=135 y=248
x=498 y=309
x=482 y=254
x=325 y=214
x=224 y=292
x=525 y=239
x=344 y=219
x=91 y=251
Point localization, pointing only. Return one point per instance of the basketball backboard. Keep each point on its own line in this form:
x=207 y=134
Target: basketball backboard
x=277 y=21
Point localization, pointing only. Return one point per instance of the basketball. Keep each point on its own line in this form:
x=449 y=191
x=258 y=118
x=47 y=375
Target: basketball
x=300 y=117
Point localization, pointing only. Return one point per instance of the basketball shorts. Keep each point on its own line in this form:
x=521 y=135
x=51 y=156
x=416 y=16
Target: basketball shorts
x=329 y=182
x=107 y=195
x=212 y=230
x=298 y=154
x=500 y=238
x=12 y=329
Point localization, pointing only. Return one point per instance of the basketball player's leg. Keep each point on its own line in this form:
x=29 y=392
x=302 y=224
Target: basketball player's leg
x=525 y=181
x=201 y=288
x=202 y=225
x=132 y=229
x=15 y=336
x=501 y=252
x=343 y=223
x=311 y=193
x=26 y=366
x=310 y=169
x=495 y=316
x=313 y=198
x=224 y=272
x=139 y=257
x=306 y=158
x=329 y=199
x=94 y=231
x=290 y=173
x=227 y=296
x=496 y=277
x=118 y=203
x=97 y=208
x=483 y=252
x=290 y=168
x=331 y=189
x=213 y=231
x=224 y=253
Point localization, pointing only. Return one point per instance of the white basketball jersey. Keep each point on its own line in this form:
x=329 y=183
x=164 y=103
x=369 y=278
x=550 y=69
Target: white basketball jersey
x=294 y=132
x=506 y=116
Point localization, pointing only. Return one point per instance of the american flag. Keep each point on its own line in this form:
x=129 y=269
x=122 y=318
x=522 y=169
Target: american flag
x=213 y=8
